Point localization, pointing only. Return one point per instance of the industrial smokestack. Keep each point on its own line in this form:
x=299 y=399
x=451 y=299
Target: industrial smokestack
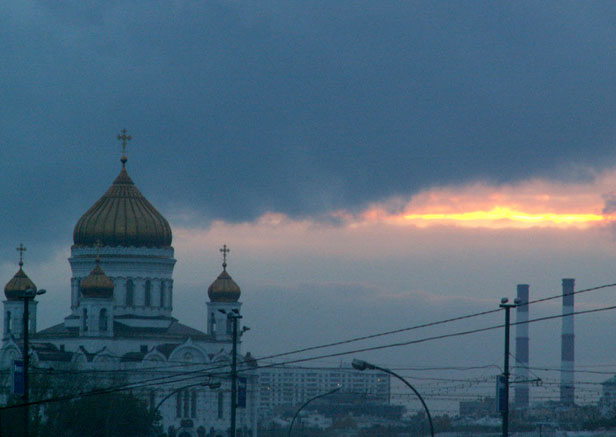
x=521 y=349
x=567 y=390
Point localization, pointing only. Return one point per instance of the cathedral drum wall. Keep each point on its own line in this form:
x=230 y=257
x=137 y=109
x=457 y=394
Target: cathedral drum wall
x=149 y=270
x=123 y=262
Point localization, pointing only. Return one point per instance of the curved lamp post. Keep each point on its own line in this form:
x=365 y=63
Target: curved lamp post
x=306 y=403
x=211 y=385
x=364 y=365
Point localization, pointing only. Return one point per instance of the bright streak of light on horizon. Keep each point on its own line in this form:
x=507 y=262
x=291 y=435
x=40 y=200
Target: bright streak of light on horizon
x=502 y=216
x=529 y=204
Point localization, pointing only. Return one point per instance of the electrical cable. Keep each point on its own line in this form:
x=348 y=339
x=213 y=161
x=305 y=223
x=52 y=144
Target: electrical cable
x=132 y=386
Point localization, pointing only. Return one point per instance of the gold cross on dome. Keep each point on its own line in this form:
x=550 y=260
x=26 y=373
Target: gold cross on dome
x=225 y=250
x=124 y=138
x=21 y=249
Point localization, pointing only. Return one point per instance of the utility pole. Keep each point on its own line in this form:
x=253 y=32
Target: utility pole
x=27 y=295
x=26 y=365
x=234 y=316
x=507 y=307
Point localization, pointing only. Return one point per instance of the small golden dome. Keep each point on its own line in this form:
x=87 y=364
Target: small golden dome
x=16 y=287
x=123 y=217
x=224 y=288
x=97 y=283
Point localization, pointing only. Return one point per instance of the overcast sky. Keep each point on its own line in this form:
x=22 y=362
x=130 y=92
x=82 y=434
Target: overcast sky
x=315 y=139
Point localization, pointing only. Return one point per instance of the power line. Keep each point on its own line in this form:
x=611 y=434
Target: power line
x=426 y=325
x=367 y=337
x=553 y=369
x=137 y=385
x=442 y=336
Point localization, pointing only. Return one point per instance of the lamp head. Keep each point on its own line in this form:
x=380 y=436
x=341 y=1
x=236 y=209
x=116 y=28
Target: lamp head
x=31 y=292
x=517 y=301
x=359 y=364
x=504 y=300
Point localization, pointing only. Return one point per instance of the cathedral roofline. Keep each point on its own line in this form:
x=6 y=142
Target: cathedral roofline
x=175 y=331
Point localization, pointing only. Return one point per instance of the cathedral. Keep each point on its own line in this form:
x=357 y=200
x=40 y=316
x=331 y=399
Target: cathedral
x=121 y=321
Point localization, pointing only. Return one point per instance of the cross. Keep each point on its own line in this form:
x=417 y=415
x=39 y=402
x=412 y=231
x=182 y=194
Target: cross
x=21 y=249
x=224 y=252
x=124 y=138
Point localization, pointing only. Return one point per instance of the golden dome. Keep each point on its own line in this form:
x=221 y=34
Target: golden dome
x=123 y=217
x=224 y=288
x=97 y=283
x=15 y=288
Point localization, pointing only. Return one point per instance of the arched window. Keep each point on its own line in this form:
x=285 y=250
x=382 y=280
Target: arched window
x=220 y=404
x=102 y=320
x=186 y=400
x=148 y=293
x=229 y=325
x=178 y=404
x=130 y=293
x=201 y=432
x=213 y=323
x=85 y=320
x=193 y=404
x=186 y=404
x=8 y=322
x=162 y=294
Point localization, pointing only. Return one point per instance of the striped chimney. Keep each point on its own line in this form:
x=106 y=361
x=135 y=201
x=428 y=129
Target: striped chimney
x=567 y=390
x=521 y=349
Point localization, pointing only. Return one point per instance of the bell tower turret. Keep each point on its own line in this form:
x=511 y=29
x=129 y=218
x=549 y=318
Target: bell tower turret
x=14 y=304
x=96 y=303
x=224 y=296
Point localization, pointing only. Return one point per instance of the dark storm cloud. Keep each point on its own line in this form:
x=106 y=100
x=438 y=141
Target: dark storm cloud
x=237 y=108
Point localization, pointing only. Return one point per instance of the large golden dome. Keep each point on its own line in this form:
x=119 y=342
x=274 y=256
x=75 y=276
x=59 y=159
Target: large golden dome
x=122 y=217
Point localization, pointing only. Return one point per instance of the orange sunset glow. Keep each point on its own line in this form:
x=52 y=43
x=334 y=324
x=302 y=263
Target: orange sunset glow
x=503 y=216
x=529 y=204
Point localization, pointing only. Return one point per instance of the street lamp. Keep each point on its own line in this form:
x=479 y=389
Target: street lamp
x=307 y=402
x=27 y=295
x=364 y=365
x=210 y=385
